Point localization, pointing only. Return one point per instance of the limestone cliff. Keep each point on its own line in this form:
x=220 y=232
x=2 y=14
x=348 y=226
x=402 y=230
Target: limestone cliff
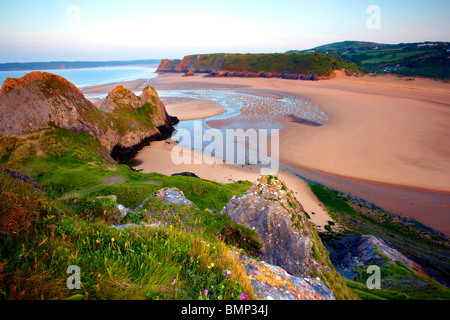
x=123 y=122
x=298 y=66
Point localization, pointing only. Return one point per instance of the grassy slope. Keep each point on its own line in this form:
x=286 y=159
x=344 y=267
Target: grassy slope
x=399 y=281
x=289 y=63
x=70 y=226
x=296 y=63
x=426 y=61
x=134 y=263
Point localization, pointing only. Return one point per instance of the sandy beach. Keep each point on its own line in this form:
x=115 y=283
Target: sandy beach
x=384 y=130
x=193 y=109
x=381 y=129
x=157 y=158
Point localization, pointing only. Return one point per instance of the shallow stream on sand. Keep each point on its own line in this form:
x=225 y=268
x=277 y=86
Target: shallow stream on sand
x=247 y=109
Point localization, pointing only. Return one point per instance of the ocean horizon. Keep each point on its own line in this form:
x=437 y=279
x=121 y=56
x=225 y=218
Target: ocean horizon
x=85 y=77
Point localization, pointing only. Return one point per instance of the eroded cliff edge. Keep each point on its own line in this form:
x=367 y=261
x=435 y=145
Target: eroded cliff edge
x=298 y=66
x=123 y=123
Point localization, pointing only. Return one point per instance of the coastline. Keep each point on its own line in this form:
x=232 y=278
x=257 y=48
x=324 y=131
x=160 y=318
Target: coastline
x=385 y=131
x=157 y=158
x=378 y=128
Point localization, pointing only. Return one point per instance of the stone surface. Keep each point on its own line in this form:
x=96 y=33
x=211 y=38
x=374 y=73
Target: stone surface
x=271 y=209
x=168 y=195
x=189 y=74
x=273 y=283
x=19 y=176
x=353 y=251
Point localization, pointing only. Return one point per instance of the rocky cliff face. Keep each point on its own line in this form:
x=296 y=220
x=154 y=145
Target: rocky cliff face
x=123 y=122
x=38 y=99
x=271 y=209
x=238 y=65
x=204 y=63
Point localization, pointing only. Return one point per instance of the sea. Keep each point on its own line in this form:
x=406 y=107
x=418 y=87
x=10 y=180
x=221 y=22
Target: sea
x=85 y=77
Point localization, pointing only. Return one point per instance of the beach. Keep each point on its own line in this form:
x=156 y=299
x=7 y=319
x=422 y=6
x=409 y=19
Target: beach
x=157 y=158
x=194 y=109
x=382 y=131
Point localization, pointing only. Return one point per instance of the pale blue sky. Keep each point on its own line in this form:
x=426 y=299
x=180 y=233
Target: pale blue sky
x=123 y=30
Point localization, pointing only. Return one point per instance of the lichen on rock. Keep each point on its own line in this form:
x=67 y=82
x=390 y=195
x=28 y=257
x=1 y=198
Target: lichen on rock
x=274 y=283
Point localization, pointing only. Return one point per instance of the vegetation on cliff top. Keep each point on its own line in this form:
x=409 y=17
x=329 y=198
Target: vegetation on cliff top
x=318 y=64
x=41 y=233
x=295 y=63
x=425 y=59
x=356 y=217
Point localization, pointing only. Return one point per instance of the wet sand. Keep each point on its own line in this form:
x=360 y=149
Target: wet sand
x=383 y=132
x=394 y=132
x=193 y=109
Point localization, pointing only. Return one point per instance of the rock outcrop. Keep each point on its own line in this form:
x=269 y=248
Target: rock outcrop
x=271 y=209
x=189 y=74
x=296 y=66
x=20 y=176
x=274 y=283
x=123 y=122
x=39 y=99
x=168 y=195
x=270 y=282
x=354 y=252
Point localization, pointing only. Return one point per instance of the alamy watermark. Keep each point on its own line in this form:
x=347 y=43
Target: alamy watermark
x=374 y=280
x=374 y=20
x=74 y=19
x=73 y=281
x=234 y=146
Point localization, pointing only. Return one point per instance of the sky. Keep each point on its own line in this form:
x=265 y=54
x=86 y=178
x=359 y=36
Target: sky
x=93 y=30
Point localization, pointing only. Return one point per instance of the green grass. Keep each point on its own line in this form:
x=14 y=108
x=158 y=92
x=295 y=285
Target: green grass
x=41 y=236
x=399 y=281
x=76 y=164
x=42 y=233
x=390 y=56
x=293 y=63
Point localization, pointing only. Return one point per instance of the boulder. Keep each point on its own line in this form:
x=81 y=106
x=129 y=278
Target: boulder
x=168 y=195
x=353 y=251
x=271 y=209
x=189 y=74
x=19 y=176
x=41 y=100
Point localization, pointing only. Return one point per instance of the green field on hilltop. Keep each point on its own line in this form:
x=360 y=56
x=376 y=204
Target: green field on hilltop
x=425 y=59
x=294 y=63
